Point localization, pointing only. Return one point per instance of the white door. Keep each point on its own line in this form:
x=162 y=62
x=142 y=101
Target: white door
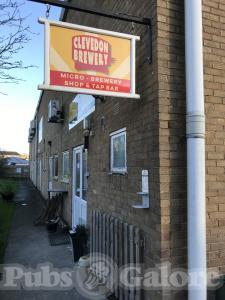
x=50 y=172
x=79 y=201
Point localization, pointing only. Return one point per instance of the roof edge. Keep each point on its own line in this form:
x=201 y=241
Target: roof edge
x=62 y=18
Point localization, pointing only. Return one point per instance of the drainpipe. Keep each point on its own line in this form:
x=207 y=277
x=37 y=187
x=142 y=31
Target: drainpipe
x=195 y=127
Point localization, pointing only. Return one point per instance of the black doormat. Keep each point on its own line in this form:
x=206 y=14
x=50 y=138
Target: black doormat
x=58 y=238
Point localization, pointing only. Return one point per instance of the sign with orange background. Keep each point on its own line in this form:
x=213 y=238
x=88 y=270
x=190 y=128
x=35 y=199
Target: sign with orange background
x=89 y=61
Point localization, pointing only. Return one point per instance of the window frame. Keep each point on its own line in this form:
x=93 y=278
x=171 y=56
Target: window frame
x=65 y=178
x=51 y=168
x=114 y=135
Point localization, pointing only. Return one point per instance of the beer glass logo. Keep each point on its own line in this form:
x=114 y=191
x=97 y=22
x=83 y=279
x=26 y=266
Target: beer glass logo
x=99 y=280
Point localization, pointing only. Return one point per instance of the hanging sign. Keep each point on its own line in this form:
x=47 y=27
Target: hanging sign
x=86 y=60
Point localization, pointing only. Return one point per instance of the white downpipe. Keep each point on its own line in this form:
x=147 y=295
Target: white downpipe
x=195 y=148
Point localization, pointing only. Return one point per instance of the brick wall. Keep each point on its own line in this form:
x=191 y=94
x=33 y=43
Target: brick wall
x=115 y=194
x=61 y=139
x=149 y=125
x=172 y=144
x=155 y=134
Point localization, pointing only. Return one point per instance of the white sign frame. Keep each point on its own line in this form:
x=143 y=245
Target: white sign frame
x=46 y=85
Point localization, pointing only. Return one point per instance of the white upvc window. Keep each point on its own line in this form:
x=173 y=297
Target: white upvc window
x=40 y=130
x=56 y=167
x=51 y=168
x=65 y=166
x=118 y=151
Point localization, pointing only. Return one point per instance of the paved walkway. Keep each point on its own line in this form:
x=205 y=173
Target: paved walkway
x=29 y=245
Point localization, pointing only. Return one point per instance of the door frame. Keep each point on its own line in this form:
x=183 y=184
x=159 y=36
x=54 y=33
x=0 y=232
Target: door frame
x=76 y=150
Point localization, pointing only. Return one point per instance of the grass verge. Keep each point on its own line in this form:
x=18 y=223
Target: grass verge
x=6 y=214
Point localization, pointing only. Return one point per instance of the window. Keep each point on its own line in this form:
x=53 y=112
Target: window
x=65 y=166
x=18 y=170
x=80 y=108
x=40 y=130
x=51 y=167
x=40 y=174
x=56 y=167
x=118 y=147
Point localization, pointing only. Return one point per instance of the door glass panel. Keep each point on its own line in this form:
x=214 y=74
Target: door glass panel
x=77 y=188
x=40 y=173
x=56 y=166
x=50 y=168
x=84 y=175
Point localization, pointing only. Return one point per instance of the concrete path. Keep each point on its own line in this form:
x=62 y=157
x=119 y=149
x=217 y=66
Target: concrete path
x=29 y=246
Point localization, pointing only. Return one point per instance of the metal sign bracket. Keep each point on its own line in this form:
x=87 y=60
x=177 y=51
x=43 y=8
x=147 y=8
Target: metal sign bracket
x=116 y=16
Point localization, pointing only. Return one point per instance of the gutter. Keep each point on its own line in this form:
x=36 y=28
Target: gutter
x=195 y=133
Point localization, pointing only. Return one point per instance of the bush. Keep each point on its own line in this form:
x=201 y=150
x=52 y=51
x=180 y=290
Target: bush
x=81 y=230
x=7 y=188
x=6 y=214
x=2 y=169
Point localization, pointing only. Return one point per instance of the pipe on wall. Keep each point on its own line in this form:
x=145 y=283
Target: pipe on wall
x=195 y=127
x=36 y=151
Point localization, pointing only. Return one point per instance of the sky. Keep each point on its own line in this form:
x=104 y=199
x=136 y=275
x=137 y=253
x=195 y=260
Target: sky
x=18 y=106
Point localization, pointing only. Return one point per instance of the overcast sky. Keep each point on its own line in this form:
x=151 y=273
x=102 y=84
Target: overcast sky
x=18 y=106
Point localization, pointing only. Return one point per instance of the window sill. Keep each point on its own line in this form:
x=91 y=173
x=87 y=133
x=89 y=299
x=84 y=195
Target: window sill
x=65 y=181
x=117 y=173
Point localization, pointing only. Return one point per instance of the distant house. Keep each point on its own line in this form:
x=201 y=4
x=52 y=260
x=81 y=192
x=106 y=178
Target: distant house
x=12 y=161
x=14 y=166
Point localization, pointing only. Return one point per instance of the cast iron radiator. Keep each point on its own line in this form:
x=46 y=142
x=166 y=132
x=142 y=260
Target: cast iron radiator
x=122 y=242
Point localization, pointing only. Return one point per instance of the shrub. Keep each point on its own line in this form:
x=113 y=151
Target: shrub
x=6 y=214
x=81 y=230
x=7 y=186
